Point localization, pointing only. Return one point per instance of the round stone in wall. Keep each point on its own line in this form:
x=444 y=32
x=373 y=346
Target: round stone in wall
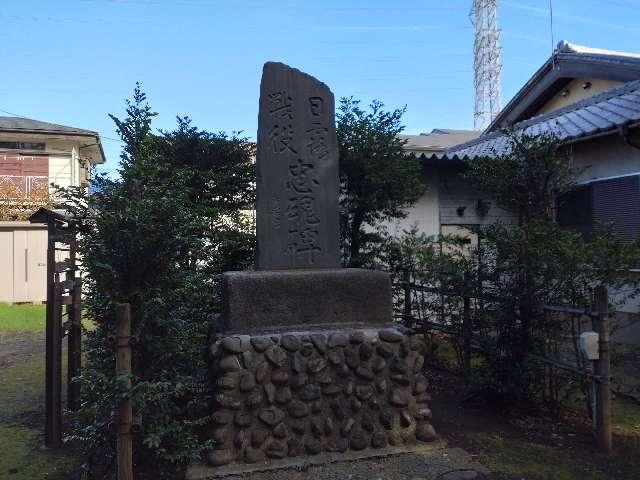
x=291 y=342
x=390 y=335
x=271 y=416
x=337 y=340
x=261 y=343
x=276 y=356
x=262 y=370
x=385 y=350
x=280 y=376
x=258 y=436
x=254 y=399
x=253 y=455
x=320 y=341
x=357 y=337
x=312 y=445
x=216 y=458
x=359 y=440
x=298 y=409
x=379 y=439
x=230 y=363
x=310 y=392
x=277 y=449
x=235 y=344
x=222 y=417
x=247 y=382
x=228 y=401
x=283 y=396
x=280 y=431
x=425 y=432
x=398 y=398
x=242 y=419
x=336 y=357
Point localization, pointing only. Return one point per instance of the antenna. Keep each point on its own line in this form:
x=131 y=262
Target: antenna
x=486 y=62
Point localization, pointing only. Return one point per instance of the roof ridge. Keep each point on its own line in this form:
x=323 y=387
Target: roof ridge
x=568 y=47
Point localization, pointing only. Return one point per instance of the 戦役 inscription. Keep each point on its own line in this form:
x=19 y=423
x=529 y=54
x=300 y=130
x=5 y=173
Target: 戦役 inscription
x=297 y=172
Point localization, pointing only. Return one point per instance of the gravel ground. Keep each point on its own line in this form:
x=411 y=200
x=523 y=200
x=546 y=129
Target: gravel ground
x=17 y=347
x=435 y=462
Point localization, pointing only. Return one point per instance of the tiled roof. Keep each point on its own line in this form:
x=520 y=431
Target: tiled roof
x=568 y=61
x=438 y=139
x=606 y=111
x=21 y=124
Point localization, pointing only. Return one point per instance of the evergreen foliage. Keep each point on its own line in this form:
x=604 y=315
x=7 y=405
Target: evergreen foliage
x=513 y=271
x=158 y=237
x=378 y=179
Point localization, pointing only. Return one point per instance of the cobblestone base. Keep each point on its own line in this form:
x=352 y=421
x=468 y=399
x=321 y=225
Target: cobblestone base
x=305 y=393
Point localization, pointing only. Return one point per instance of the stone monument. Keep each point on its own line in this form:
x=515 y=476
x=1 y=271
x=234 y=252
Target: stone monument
x=307 y=360
x=298 y=282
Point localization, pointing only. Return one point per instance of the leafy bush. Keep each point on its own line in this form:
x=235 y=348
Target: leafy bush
x=512 y=272
x=157 y=237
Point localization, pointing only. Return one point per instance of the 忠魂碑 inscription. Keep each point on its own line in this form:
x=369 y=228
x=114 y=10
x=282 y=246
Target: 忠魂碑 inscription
x=297 y=165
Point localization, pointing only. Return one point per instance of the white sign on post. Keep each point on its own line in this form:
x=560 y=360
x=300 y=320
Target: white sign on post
x=589 y=345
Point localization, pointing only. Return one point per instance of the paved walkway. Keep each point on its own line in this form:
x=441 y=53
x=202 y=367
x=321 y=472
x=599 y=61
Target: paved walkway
x=425 y=462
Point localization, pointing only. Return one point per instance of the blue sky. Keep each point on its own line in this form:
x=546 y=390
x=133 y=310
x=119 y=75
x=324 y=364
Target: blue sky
x=73 y=62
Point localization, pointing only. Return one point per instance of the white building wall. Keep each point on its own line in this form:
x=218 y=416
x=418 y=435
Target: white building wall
x=606 y=157
x=424 y=213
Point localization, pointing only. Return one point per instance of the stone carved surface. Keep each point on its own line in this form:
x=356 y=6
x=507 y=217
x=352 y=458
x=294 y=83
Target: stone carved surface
x=297 y=172
x=288 y=404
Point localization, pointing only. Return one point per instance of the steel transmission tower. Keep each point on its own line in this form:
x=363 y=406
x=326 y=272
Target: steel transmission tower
x=486 y=62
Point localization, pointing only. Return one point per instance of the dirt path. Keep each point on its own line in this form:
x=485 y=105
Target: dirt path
x=428 y=462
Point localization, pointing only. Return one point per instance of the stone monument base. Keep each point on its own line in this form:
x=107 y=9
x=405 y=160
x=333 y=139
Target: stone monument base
x=304 y=393
x=288 y=300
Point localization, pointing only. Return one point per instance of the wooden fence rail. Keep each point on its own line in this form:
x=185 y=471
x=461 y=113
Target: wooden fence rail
x=600 y=375
x=61 y=293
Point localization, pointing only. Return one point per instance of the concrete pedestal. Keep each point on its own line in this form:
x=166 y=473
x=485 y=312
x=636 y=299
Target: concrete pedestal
x=288 y=300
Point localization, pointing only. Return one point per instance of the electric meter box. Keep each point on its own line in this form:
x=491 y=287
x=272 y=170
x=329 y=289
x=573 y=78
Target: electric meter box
x=589 y=345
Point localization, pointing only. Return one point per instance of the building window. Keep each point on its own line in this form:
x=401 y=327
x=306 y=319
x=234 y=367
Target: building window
x=21 y=146
x=614 y=202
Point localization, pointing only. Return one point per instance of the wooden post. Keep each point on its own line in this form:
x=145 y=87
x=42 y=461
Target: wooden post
x=53 y=350
x=74 y=342
x=406 y=285
x=467 y=327
x=125 y=413
x=603 y=420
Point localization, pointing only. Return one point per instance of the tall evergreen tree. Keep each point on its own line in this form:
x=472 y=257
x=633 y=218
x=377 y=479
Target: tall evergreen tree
x=378 y=179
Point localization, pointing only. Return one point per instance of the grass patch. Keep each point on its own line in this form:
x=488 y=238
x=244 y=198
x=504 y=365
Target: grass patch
x=626 y=417
x=27 y=320
x=517 y=458
x=22 y=458
x=22 y=426
x=22 y=416
x=22 y=318
x=22 y=388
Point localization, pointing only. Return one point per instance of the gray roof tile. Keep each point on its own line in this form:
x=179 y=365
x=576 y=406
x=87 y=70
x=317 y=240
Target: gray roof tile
x=607 y=110
x=21 y=124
